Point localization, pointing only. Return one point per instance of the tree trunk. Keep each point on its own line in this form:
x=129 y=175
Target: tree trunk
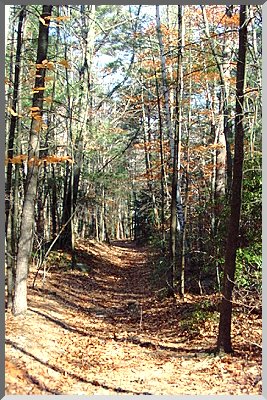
x=163 y=179
x=27 y=219
x=147 y=141
x=177 y=216
x=224 y=337
x=164 y=83
x=9 y=221
x=53 y=203
x=184 y=234
x=14 y=118
x=224 y=157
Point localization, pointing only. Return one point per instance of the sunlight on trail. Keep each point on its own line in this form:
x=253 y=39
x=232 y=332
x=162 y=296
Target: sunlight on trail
x=104 y=332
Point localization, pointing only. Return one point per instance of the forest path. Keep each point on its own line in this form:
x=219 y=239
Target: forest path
x=102 y=331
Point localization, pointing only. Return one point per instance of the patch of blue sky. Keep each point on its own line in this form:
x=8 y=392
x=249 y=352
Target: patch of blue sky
x=123 y=57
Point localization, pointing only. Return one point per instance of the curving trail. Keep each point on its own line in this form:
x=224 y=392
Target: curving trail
x=102 y=331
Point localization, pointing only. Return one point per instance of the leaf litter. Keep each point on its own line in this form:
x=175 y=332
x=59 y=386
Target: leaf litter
x=103 y=330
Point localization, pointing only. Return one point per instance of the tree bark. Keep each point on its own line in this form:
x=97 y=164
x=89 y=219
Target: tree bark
x=164 y=83
x=14 y=118
x=184 y=234
x=163 y=179
x=224 y=337
x=177 y=216
x=9 y=221
x=27 y=219
x=223 y=154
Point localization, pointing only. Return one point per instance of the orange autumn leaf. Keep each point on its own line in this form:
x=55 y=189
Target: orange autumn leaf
x=38 y=161
x=50 y=159
x=67 y=158
x=64 y=63
x=36 y=116
x=60 y=18
x=48 y=99
x=48 y=64
x=45 y=64
x=13 y=113
x=17 y=159
x=32 y=160
x=7 y=82
x=37 y=127
x=39 y=66
x=57 y=159
x=42 y=20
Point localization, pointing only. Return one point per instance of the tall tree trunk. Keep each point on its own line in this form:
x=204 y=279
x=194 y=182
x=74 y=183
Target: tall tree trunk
x=166 y=95
x=65 y=240
x=77 y=144
x=184 y=234
x=224 y=337
x=163 y=179
x=147 y=142
x=52 y=183
x=67 y=237
x=224 y=157
x=9 y=221
x=14 y=117
x=27 y=219
x=177 y=216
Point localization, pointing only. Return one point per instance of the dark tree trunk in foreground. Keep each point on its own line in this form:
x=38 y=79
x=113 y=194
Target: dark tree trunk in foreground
x=14 y=117
x=27 y=219
x=10 y=154
x=224 y=337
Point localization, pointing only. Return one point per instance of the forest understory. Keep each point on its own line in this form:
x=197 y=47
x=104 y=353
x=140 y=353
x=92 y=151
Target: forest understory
x=103 y=329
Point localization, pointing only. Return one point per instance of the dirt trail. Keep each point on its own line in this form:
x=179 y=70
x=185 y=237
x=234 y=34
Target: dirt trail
x=102 y=331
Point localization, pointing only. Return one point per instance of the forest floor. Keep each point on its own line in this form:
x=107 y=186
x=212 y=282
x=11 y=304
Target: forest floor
x=104 y=330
